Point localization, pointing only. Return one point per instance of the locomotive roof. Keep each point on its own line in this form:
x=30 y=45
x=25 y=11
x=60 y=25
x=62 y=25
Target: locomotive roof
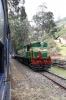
x=36 y=44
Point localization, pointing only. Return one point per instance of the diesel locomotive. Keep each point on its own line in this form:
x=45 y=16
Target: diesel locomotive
x=35 y=55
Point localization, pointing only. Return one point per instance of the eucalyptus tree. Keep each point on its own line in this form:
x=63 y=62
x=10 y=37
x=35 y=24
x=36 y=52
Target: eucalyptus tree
x=44 y=19
x=18 y=23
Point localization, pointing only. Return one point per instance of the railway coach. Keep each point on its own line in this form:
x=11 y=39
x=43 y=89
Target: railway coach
x=4 y=52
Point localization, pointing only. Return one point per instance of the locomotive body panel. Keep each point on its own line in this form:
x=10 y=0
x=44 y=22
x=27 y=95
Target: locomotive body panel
x=41 y=60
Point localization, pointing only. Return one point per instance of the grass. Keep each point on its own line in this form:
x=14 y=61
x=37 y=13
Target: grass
x=59 y=71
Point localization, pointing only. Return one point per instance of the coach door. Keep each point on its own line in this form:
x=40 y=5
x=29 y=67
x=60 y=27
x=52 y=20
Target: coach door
x=1 y=58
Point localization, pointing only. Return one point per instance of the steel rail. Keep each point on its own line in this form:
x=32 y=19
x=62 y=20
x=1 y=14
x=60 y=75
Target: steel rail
x=56 y=75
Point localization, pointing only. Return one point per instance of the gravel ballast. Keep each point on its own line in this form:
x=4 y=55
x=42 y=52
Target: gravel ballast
x=30 y=85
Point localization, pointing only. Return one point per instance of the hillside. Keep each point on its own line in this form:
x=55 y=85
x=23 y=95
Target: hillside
x=63 y=20
x=58 y=48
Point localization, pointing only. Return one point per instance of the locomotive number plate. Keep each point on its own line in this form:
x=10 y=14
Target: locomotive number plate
x=45 y=60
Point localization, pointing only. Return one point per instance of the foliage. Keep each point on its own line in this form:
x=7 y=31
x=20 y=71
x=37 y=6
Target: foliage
x=18 y=23
x=49 y=23
x=20 y=35
x=23 y=14
x=57 y=48
x=61 y=31
x=44 y=20
x=50 y=41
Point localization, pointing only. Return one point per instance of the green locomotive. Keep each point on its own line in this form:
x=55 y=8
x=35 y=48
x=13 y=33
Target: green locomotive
x=35 y=55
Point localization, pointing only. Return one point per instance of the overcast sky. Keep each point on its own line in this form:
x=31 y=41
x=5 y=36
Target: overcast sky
x=58 y=7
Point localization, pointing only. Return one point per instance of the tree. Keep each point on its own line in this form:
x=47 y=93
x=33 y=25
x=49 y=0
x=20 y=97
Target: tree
x=59 y=18
x=20 y=37
x=49 y=21
x=44 y=20
x=18 y=23
x=15 y=10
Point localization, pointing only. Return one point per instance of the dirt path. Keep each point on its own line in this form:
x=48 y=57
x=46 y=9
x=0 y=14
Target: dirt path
x=16 y=79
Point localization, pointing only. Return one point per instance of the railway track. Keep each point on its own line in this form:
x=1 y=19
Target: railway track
x=60 y=81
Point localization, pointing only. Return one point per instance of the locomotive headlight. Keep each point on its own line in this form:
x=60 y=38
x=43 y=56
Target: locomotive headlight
x=42 y=43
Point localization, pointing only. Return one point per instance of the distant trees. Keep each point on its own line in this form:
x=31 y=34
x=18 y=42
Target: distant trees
x=59 y=19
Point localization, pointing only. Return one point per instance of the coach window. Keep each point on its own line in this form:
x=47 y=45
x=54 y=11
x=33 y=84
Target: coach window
x=1 y=21
x=1 y=37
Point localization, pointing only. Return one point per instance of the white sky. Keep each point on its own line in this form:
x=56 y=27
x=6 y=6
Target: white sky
x=58 y=7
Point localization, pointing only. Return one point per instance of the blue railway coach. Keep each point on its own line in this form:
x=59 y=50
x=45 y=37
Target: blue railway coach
x=4 y=52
